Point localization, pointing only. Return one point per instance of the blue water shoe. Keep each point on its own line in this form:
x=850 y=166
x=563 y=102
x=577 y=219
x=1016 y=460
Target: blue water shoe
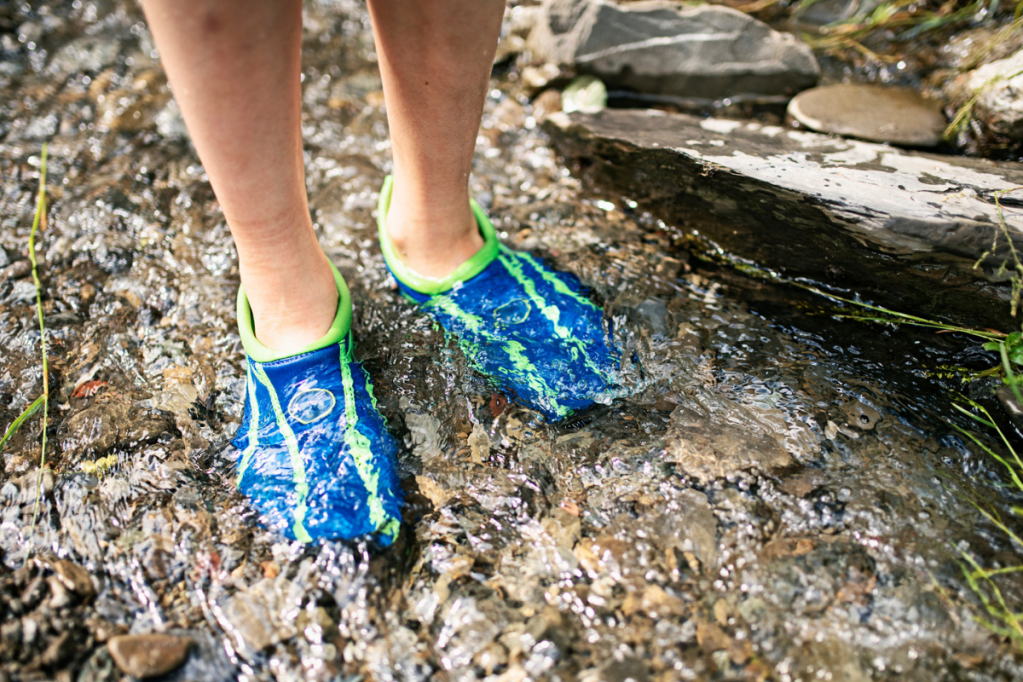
x=531 y=329
x=315 y=457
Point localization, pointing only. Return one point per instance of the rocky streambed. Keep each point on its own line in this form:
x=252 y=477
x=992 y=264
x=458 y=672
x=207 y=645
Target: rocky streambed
x=775 y=495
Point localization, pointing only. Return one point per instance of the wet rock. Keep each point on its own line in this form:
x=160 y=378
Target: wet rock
x=707 y=52
x=706 y=448
x=149 y=655
x=87 y=54
x=586 y=94
x=832 y=659
x=255 y=614
x=469 y=626
x=871 y=112
x=74 y=577
x=492 y=656
x=16 y=270
x=59 y=650
x=655 y=602
x=564 y=528
x=901 y=228
x=99 y=668
x=102 y=426
x=998 y=87
x=547 y=103
x=624 y=669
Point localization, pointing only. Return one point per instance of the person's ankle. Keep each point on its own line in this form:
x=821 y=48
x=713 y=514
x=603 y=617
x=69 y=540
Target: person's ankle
x=427 y=250
x=292 y=310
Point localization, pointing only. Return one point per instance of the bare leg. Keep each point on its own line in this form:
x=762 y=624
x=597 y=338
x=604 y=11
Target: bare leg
x=235 y=69
x=435 y=60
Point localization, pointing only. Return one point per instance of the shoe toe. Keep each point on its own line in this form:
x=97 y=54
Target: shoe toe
x=322 y=468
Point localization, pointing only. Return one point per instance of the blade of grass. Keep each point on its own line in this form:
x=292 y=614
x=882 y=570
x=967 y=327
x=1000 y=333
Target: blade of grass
x=990 y=421
x=1012 y=472
x=40 y=210
x=22 y=418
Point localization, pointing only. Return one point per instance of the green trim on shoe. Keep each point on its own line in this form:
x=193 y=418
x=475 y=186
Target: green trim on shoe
x=432 y=285
x=260 y=353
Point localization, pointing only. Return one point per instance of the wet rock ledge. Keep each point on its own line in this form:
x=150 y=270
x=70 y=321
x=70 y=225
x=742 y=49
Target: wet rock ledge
x=900 y=228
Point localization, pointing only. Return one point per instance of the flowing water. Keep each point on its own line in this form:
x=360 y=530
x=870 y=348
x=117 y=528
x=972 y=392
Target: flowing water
x=780 y=495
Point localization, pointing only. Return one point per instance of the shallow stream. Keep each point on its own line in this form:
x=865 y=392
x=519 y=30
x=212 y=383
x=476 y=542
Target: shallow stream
x=778 y=496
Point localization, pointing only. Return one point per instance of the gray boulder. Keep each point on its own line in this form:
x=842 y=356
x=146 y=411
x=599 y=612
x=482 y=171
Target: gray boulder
x=661 y=47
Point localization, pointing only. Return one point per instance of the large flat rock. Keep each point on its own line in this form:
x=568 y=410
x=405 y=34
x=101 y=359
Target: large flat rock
x=900 y=228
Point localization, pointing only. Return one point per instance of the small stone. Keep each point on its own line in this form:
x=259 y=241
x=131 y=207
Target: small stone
x=16 y=270
x=586 y=94
x=871 y=112
x=149 y=655
x=711 y=637
x=74 y=577
x=492 y=656
x=564 y=528
x=548 y=102
x=99 y=668
x=59 y=650
x=536 y=78
x=628 y=668
x=437 y=495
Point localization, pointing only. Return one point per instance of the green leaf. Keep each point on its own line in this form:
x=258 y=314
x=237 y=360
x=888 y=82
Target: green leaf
x=990 y=345
x=1014 y=339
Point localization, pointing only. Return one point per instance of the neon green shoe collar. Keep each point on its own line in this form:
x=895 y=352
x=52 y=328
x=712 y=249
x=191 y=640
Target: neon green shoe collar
x=260 y=353
x=432 y=285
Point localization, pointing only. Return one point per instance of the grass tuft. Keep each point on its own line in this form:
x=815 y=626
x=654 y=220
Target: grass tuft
x=1001 y=619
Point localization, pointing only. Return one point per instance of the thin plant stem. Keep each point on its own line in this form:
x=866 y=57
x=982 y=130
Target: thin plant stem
x=40 y=210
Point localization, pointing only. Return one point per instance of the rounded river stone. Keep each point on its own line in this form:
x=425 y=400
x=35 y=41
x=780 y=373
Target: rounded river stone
x=871 y=112
x=149 y=655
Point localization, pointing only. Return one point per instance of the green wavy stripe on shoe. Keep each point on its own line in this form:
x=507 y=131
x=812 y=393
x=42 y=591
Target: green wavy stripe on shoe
x=359 y=447
x=551 y=312
x=297 y=467
x=514 y=349
x=260 y=353
x=432 y=285
x=549 y=277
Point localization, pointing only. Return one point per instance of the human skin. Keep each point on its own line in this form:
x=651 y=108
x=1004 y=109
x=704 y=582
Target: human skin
x=235 y=69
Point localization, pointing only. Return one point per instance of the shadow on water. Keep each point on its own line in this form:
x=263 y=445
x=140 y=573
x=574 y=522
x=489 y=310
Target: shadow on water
x=777 y=496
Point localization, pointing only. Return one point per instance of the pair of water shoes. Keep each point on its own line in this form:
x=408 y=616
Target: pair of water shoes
x=315 y=457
